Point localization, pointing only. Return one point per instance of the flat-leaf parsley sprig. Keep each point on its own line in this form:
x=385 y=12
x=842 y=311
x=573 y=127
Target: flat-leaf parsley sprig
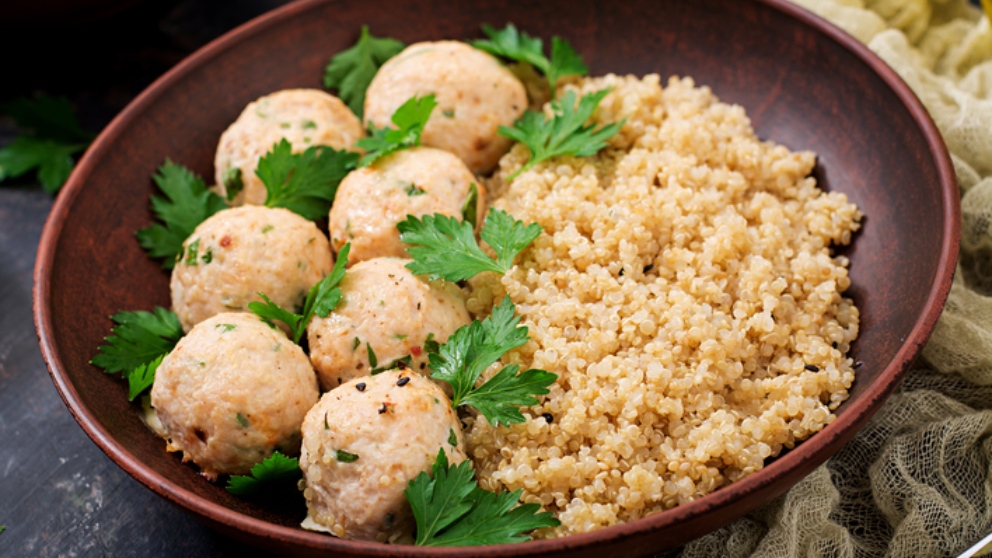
x=306 y=182
x=451 y=510
x=519 y=46
x=409 y=119
x=351 y=71
x=136 y=346
x=473 y=348
x=322 y=298
x=186 y=204
x=441 y=246
x=51 y=136
x=273 y=470
x=566 y=133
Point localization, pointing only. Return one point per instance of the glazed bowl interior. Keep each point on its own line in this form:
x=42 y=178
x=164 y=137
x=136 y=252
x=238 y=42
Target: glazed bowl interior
x=803 y=83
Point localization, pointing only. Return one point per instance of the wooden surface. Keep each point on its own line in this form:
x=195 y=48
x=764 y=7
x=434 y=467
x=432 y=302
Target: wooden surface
x=59 y=494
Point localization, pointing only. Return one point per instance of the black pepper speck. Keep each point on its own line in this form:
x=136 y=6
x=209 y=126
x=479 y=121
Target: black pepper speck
x=360 y=386
x=403 y=381
x=382 y=409
x=548 y=417
x=812 y=368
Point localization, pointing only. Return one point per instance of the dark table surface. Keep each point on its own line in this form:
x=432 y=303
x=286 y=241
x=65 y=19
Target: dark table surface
x=59 y=494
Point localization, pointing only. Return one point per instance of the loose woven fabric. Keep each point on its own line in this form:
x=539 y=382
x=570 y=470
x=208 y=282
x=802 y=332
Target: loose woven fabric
x=916 y=481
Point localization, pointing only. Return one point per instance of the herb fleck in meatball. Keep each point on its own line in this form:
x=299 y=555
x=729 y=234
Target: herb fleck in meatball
x=233 y=391
x=363 y=442
x=475 y=95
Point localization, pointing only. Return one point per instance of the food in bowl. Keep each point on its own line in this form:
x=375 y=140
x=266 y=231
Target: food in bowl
x=682 y=299
x=684 y=293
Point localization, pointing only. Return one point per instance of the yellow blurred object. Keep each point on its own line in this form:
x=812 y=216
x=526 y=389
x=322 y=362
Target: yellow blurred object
x=987 y=5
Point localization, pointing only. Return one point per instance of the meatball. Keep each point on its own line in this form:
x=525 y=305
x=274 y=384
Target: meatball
x=475 y=95
x=387 y=311
x=370 y=201
x=233 y=391
x=363 y=442
x=304 y=117
x=238 y=252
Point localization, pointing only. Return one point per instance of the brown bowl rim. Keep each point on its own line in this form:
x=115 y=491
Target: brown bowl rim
x=804 y=454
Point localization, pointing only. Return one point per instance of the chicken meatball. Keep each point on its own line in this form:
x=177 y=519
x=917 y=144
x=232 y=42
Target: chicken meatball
x=370 y=201
x=233 y=391
x=363 y=442
x=385 y=311
x=305 y=117
x=475 y=95
x=238 y=252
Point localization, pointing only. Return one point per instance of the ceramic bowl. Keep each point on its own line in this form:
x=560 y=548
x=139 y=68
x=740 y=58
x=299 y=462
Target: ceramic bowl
x=803 y=82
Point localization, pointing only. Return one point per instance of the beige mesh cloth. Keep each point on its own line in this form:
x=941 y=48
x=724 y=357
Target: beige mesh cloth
x=917 y=480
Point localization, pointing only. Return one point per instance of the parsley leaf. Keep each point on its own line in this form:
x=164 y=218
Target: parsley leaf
x=499 y=399
x=270 y=312
x=137 y=340
x=48 y=117
x=507 y=236
x=142 y=378
x=186 y=204
x=451 y=510
x=565 y=133
x=351 y=71
x=409 y=119
x=322 y=298
x=304 y=183
x=564 y=62
x=476 y=346
x=443 y=247
x=52 y=135
x=277 y=468
x=519 y=46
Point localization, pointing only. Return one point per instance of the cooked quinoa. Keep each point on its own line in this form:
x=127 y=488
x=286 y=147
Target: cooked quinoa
x=685 y=294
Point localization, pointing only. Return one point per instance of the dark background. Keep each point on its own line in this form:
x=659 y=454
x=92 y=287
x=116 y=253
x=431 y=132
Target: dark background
x=59 y=494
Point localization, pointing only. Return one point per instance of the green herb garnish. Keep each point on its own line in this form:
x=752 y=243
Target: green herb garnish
x=275 y=469
x=52 y=135
x=519 y=46
x=138 y=338
x=142 y=378
x=241 y=420
x=452 y=437
x=322 y=298
x=409 y=119
x=136 y=346
x=186 y=204
x=565 y=133
x=351 y=71
x=473 y=348
x=451 y=510
x=304 y=183
x=444 y=247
